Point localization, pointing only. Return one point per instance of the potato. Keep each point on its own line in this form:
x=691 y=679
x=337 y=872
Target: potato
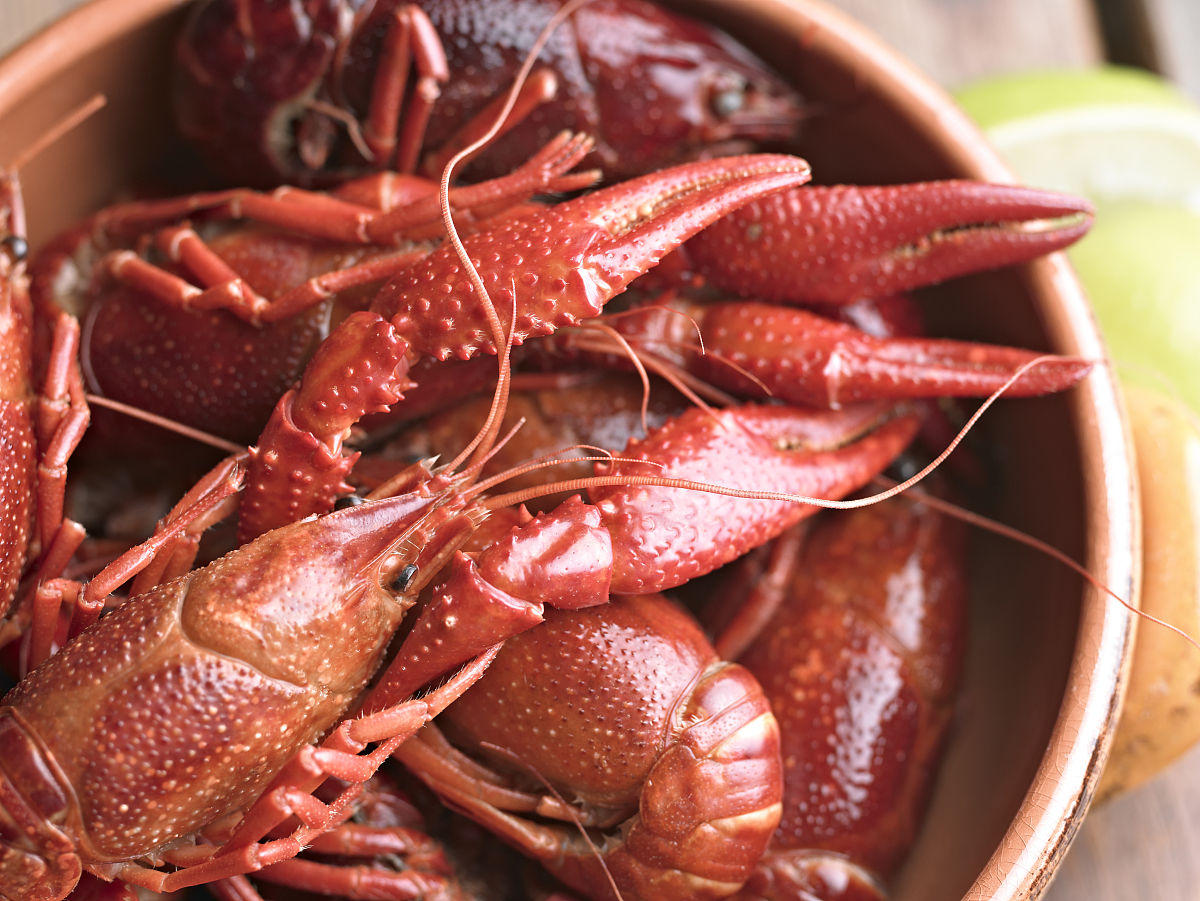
x=1161 y=716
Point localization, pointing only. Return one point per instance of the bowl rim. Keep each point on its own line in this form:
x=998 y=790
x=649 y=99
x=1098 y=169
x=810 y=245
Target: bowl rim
x=1067 y=775
x=49 y=50
x=1054 y=806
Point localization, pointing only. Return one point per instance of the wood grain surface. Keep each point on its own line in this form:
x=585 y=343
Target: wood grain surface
x=1144 y=845
x=955 y=42
x=21 y=18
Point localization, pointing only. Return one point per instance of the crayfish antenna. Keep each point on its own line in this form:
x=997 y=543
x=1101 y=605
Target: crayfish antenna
x=486 y=438
x=164 y=422
x=546 y=461
x=978 y=520
x=728 y=491
x=600 y=338
x=78 y=115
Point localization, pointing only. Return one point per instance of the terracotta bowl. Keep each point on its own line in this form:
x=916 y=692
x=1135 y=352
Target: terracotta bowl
x=1047 y=652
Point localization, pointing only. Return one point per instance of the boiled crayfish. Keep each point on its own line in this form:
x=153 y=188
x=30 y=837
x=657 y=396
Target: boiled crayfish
x=219 y=720
x=652 y=87
x=38 y=430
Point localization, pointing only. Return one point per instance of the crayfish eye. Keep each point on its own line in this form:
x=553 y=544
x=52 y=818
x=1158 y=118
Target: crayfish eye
x=729 y=96
x=404 y=577
x=346 y=501
x=16 y=247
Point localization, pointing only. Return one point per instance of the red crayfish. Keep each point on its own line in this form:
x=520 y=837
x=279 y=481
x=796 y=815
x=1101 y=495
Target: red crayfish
x=855 y=630
x=220 y=720
x=652 y=87
x=39 y=430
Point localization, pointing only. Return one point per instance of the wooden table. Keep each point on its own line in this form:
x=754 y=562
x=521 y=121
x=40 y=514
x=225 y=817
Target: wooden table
x=1145 y=845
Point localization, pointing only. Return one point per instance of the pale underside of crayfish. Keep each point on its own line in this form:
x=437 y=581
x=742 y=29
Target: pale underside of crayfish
x=230 y=724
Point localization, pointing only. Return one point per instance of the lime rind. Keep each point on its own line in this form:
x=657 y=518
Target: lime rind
x=1140 y=267
x=1130 y=142
x=1007 y=98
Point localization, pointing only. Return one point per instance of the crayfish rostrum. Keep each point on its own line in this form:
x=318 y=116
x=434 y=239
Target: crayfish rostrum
x=223 y=711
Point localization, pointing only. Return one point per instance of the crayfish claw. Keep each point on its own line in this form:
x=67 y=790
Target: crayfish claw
x=839 y=244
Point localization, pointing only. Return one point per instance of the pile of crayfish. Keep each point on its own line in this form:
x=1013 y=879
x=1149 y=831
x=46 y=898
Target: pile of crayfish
x=514 y=507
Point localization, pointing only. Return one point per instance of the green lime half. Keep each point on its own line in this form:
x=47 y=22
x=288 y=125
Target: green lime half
x=1107 y=133
x=1140 y=266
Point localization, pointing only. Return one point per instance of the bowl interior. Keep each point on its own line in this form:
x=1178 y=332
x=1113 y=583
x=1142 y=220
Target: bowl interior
x=1046 y=651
